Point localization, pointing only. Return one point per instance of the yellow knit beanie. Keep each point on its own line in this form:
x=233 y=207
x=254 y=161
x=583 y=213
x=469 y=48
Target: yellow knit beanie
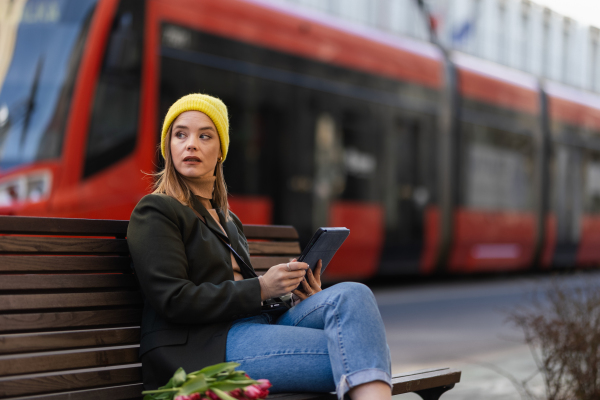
x=211 y=106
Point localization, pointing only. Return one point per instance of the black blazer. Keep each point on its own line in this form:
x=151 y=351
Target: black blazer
x=186 y=277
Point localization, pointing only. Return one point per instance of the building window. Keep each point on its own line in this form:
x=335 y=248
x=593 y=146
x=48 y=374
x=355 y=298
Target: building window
x=525 y=37
x=594 y=63
x=565 y=50
x=502 y=45
x=546 y=43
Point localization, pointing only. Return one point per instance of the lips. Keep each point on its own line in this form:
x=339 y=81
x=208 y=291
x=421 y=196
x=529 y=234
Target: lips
x=191 y=158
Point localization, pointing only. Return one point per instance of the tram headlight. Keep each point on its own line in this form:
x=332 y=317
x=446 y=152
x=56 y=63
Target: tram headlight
x=30 y=188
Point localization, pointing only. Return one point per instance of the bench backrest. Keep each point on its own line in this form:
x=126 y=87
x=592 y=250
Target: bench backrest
x=70 y=306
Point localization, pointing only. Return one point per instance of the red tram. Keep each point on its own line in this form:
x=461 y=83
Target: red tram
x=436 y=166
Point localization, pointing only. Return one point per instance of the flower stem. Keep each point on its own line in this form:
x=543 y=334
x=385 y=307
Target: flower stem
x=160 y=391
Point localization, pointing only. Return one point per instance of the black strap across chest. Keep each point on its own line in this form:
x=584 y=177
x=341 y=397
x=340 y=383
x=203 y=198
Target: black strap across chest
x=238 y=258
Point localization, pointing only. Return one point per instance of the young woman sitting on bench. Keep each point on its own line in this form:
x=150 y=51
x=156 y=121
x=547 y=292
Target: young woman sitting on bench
x=202 y=304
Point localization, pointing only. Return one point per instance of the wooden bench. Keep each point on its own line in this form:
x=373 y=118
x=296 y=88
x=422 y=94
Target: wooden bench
x=70 y=311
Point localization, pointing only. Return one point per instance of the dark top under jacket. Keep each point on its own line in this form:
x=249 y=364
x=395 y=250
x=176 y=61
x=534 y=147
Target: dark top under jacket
x=186 y=277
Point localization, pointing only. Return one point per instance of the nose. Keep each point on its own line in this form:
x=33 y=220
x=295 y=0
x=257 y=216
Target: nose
x=192 y=144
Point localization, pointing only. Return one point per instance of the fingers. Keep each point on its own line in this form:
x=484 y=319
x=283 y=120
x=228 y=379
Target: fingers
x=310 y=278
x=293 y=274
x=314 y=285
x=318 y=272
x=300 y=294
x=306 y=286
x=280 y=279
x=295 y=266
x=292 y=285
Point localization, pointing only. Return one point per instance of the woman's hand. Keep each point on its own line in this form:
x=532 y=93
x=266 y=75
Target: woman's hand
x=312 y=283
x=282 y=279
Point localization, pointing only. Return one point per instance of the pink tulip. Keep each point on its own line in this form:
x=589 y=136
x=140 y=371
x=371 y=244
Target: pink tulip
x=237 y=394
x=252 y=392
x=264 y=384
x=212 y=395
x=183 y=397
x=195 y=396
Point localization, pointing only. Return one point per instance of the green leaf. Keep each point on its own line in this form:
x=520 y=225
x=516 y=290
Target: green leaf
x=222 y=395
x=160 y=396
x=159 y=391
x=179 y=377
x=176 y=380
x=213 y=370
x=228 y=385
x=197 y=384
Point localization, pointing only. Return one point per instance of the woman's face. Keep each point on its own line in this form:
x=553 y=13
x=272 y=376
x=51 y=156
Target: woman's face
x=195 y=145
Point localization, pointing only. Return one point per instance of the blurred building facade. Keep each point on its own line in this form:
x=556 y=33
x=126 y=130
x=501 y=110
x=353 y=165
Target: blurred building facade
x=518 y=33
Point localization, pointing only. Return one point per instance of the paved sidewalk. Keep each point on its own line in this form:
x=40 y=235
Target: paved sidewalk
x=463 y=325
x=481 y=379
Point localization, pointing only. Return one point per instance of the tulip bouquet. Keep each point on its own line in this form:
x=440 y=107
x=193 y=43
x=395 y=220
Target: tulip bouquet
x=217 y=382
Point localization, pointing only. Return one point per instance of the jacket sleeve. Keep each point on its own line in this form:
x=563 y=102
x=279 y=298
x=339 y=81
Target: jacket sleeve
x=161 y=265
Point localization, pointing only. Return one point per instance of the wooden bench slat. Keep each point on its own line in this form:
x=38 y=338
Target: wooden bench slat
x=52 y=382
x=45 y=341
x=303 y=396
x=23 y=244
x=274 y=248
x=15 y=323
x=278 y=232
x=66 y=361
x=426 y=379
x=264 y=263
x=57 y=264
x=124 y=392
x=403 y=383
x=87 y=281
x=63 y=226
x=14 y=302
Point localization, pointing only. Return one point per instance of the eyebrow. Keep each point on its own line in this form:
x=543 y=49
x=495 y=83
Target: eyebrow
x=201 y=129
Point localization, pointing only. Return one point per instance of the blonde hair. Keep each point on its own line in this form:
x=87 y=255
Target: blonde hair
x=170 y=182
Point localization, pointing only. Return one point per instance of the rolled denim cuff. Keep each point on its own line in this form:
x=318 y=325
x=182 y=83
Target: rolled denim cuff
x=347 y=382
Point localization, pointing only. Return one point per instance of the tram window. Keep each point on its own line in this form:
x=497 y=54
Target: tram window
x=361 y=141
x=37 y=84
x=592 y=183
x=497 y=169
x=113 y=127
x=329 y=175
x=302 y=148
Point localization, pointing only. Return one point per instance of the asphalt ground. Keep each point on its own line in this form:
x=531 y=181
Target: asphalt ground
x=462 y=323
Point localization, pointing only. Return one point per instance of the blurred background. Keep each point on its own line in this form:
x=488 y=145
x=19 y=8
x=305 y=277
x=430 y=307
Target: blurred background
x=453 y=137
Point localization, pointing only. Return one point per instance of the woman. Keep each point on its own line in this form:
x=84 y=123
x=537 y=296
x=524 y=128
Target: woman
x=201 y=308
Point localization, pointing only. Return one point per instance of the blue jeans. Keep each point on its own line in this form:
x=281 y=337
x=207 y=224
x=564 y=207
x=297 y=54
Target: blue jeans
x=334 y=340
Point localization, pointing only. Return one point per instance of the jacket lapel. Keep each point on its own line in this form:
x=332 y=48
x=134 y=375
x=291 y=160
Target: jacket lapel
x=210 y=221
x=232 y=233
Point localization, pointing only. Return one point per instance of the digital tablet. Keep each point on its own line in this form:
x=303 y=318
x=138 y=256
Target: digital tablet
x=323 y=246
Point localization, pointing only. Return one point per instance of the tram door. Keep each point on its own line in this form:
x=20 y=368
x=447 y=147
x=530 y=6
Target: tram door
x=405 y=198
x=568 y=204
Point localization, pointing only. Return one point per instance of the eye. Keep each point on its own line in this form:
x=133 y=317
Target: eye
x=179 y=135
x=205 y=136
